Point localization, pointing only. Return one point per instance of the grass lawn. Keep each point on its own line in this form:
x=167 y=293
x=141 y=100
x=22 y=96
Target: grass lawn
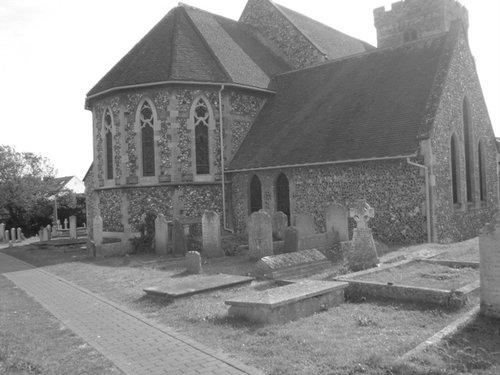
x=352 y=338
x=32 y=341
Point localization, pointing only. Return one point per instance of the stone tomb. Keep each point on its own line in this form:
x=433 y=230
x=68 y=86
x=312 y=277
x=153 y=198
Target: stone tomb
x=289 y=302
x=211 y=236
x=295 y=265
x=260 y=235
x=489 y=267
x=337 y=221
x=362 y=253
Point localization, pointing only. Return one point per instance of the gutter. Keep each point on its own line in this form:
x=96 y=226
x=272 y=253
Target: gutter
x=191 y=83
x=321 y=163
x=224 y=216
x=427 y=197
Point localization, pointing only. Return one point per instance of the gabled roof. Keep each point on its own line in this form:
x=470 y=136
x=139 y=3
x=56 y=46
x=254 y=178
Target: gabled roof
x=372 y=105
x=58 y=183
x=333 y=43
x=189 y=44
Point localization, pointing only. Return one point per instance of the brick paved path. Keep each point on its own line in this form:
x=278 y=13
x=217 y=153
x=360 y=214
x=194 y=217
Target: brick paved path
x=135 y=344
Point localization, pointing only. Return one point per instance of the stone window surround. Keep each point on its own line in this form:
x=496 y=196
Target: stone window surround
x=211 y=142
x=146 y=179
x=469 y=154
x=250 y=196
x=105 y=129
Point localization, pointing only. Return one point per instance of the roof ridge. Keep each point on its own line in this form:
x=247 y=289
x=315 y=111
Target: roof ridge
x=361 y=54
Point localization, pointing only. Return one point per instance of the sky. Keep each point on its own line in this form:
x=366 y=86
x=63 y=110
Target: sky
x=52 y=52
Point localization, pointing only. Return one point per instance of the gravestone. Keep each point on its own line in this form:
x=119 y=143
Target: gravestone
x=49 y=229
x=210 y=223
x=161 y=234
x=2 y=230
x=45 y=234
x=59 y=224
x=489 y=267
x=12 y=234
x=72 y=228
x=6 y=236
x=19 y=234
x=260 y=235
x=362 y=253
x=40 y=235
x=304 y=224
x=280 y=222
x=291 y=244
x=65 y=223
x=193 y=262
x=54 y=229
x=179 y=244
x=336 y=221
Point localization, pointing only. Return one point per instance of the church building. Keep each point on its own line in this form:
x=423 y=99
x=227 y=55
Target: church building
x=277 y=111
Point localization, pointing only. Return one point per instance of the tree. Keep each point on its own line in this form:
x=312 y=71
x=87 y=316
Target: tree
x=25 y=181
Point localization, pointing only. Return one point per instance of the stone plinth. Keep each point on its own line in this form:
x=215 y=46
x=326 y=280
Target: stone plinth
x=280 y=222
x=336 y=221
x=179 y=243
x=72 y=228
x=489 y=266
x=161 y=234
x=210 y=223
x=193 y=262
x=260 y=235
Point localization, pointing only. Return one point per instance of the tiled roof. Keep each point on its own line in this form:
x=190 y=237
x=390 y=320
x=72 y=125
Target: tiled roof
x=333 y=43
x=189 y=44
x=58 y=183
x=367 y=106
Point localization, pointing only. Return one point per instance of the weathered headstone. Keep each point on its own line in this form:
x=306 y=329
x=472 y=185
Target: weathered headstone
x=260 y=235
x=280 y=222
x=45 y=234
x=59 y=224
x=291 y=244
x=6 y=236
x=72 y=227
x=84 y=225
x=49 y=229
x=336 y=221
x=161 y=234
x=489 y=267
x=65 y=223
x=40 y=235
x=363 y=253
x=98 y=231
x=179 y=244
x=2 y=230
x=19 y=234
x=193 y=262
x=12 y=234
x=210 y=223
x=304 y=224
x=54 y=229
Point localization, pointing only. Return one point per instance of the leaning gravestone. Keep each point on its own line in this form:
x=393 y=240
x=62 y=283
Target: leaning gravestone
x=291 y=243
x=72 y=227
x=304 y=224
x=193 y=262
x=260 y=235
x=161 y=234
x=336 y=221
x=211 y=237
x=280 y=222
x=179 y=243
x=363 y=253
x=489 y=266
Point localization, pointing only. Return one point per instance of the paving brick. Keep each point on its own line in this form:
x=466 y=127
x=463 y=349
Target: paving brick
x=134 y=343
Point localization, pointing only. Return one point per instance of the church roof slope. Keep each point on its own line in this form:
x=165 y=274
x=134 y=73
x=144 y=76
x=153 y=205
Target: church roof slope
x=372 y=105
x=333 y=43
x=189 y=44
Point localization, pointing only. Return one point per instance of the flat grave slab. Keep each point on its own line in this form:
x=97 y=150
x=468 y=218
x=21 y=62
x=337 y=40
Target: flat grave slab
x=415 y=281
x=289 y=302
x=194 y=284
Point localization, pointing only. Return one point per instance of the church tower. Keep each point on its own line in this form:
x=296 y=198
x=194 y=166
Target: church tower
x=409 y=20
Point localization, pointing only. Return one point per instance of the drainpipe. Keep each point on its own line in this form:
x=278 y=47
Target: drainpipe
x=224 y=218
x=427 y=197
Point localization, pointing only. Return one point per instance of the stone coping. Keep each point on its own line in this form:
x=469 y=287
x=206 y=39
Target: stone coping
x=451 y=263
x=275 y=262
x=287 y=294
x=193 y=284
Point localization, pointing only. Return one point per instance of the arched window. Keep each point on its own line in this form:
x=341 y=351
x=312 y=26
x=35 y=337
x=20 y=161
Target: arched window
x=108 y=126
x=482 y=170
x=283 y=195
x=255 y=194
x=469 y=155
x=455 y=168
x=202 y=149
x=146 y=120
